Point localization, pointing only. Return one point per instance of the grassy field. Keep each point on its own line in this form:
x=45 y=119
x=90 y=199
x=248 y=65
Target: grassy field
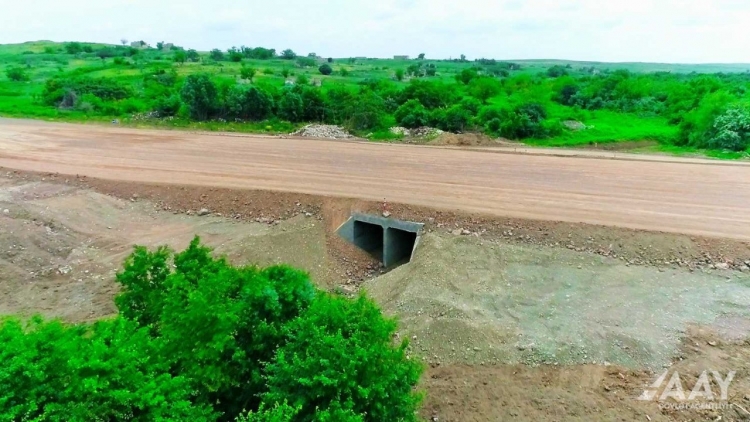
x=43 y=60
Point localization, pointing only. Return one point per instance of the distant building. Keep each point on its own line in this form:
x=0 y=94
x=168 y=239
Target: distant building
x=400 y=57
x=138 y=44
x=167 y=46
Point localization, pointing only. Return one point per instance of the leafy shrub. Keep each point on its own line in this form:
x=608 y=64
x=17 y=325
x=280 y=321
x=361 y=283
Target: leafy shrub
x=199 y=93
x=484 y=88
x=216 y=54
x=17 y=74
x=291 y=107
x=105 y=89
x=325 y=69
x=201 y=340
x=167 y=106
x=431 y=94
x=412 y=114
x=339 y=357
x=731 y=130
x=109 y=371
x=73 y=48
x=251 y=103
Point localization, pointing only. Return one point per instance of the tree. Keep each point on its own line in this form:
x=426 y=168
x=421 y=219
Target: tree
x=248 y=73
x=288 y=54
x=193 y=55
x=180 y=56
x=421 y=56
x=258 y=104
x=105 y=53
x=306 y=62
x=216 y=55
x=557 y=71
x=340 y=358
x=17 y=74
x=123 y=41
x=400 y=74
x=463 y=58
x=484 y=88
x=330 y=60
x=467 y=75
x=199 y=93
x=73 y=48
x=302 y=80
x=111 y=370
x=160 y=45
x=412 y=114
x=235 y=55
x=291 y=107
x=325 y=69
x=731 y=130
x=285 y=72
x=367 y=112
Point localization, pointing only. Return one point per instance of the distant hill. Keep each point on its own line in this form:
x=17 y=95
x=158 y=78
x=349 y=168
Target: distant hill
x=641 y=67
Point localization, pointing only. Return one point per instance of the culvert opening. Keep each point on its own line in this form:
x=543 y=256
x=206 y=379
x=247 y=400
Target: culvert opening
x=370 y=238
x=399 y=246
x=390 y=241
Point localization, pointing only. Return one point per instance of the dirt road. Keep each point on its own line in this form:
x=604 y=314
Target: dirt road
x=689 y=197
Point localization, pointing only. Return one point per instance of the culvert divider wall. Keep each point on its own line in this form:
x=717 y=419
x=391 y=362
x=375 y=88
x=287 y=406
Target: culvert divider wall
x=391 y=241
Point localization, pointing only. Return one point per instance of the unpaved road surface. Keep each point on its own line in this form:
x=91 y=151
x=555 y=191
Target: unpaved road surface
x=684 y=197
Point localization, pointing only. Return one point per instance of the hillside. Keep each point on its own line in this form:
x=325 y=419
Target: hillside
x=540 y=102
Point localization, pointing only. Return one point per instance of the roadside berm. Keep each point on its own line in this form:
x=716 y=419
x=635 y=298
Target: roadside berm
x=515 y=319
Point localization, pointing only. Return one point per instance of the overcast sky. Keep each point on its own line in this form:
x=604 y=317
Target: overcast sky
x=679 y=31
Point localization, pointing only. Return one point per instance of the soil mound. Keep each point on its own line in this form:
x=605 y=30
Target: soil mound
x=470 y=139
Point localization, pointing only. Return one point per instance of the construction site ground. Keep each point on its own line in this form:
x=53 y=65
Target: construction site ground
x=515 y=318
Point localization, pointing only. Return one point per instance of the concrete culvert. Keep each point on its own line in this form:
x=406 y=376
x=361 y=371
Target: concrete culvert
x=390 y=241
x=369 y=237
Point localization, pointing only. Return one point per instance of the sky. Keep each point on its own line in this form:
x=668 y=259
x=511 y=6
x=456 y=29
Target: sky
x=667 y=31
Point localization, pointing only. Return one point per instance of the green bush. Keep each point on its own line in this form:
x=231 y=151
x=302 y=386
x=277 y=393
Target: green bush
x=16 y=74
x=339 y=357
x=731 y=130
x=201 y=340
x=291 y=107
x=412 y=114
x=200 y=95
x=325 y=69
x=102 y=88
x=109 y=371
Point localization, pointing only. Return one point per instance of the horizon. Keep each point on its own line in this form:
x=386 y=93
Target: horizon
x=640 y=31
x=411 y=56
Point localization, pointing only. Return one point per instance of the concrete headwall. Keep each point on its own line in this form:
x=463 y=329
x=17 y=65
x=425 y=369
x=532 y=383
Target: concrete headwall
x=391 y=241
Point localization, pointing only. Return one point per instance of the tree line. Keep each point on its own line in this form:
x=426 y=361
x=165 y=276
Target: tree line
x=498 y=98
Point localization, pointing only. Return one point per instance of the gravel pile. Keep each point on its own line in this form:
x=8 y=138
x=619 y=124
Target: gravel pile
x=322 y=131
x=421 y=132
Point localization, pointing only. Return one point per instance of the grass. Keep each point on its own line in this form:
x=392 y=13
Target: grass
x=607 y=127
x=45 y=59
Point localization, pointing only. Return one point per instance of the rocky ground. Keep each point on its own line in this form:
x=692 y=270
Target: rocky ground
x=515 y=319
x=322 y=131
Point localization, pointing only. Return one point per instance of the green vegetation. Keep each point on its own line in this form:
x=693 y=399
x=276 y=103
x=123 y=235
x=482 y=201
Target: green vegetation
x=201 y=340
x=546 y=103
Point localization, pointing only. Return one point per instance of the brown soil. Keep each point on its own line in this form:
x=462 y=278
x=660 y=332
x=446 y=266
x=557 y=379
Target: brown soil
x=463 y=139
x=63 y=238
x=680 y=196
x=464 y=393
x=620 y=146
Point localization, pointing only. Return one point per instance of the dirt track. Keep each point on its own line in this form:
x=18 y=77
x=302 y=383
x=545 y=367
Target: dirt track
x=689 y=197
